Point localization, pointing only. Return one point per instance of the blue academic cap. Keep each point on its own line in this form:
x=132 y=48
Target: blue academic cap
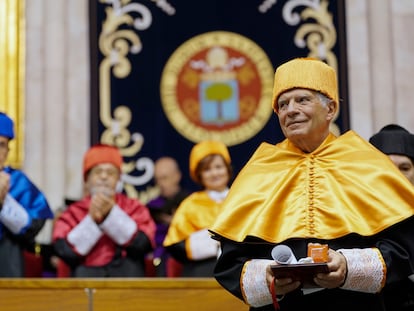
x=6 y=126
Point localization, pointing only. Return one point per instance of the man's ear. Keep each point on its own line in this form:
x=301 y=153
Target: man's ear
x=332 y=110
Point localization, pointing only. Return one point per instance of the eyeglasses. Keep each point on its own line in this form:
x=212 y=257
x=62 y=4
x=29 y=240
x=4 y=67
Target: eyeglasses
x=97 y=171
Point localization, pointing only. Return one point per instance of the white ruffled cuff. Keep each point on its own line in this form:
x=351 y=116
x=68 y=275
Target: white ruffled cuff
x=366 y=270
x=84 y=236
x=201 y=246
x=253 y=283
x=119 y=226
x=13 y=215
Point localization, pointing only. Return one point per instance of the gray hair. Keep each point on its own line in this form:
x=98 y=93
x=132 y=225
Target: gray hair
x=325 y=100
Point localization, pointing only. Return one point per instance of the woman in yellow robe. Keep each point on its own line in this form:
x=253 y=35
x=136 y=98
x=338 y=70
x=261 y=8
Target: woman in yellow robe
x=188 y=239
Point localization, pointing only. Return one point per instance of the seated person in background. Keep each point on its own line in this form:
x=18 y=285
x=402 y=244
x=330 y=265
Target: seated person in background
x=396 y=142
x=23 y=209
x=167 y=176
x=315 y=187
x=188 y=239
x=106 y=234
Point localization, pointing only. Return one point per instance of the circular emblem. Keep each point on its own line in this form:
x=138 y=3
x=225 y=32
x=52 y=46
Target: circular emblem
x=218 y=85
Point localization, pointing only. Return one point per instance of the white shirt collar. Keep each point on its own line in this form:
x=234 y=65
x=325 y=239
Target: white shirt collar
x=218 y=196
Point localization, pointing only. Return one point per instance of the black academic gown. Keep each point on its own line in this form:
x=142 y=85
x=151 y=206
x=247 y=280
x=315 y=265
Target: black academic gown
x=390 y=242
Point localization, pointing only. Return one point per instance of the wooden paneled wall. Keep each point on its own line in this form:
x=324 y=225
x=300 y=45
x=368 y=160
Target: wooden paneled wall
x=126 y=294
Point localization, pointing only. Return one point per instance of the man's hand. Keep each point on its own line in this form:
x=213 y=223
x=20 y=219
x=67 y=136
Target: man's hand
x=282 y=286
x=4 y=186
x=101 y=203
x=337 y=271
x=165 y=218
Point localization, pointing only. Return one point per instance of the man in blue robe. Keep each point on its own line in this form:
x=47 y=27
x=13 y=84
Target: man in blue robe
x=23 y=209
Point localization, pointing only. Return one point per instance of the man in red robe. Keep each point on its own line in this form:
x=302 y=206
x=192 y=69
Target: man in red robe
x=106 y=234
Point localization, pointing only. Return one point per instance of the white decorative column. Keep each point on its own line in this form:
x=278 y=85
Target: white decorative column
x=380 y=64
x=57 y=98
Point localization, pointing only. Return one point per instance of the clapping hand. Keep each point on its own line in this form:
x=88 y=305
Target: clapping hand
x=4 y=186
x=102 y=201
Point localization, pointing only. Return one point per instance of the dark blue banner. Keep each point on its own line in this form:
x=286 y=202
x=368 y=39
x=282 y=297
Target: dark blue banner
x=167 y=74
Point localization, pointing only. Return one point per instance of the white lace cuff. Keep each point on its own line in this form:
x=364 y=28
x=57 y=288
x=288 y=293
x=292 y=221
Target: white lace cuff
x=366 y=270
x=119 y=226
x=253 y=283
x=201 y=246
x=13 y=215
x=84 y=236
